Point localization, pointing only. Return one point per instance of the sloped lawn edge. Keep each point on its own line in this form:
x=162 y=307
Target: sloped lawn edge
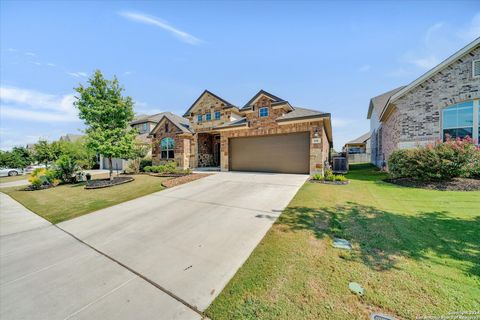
x=456 y=184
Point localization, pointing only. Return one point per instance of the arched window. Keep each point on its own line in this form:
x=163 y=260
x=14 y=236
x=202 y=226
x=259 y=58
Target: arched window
x=167 y=145
x=458 y=121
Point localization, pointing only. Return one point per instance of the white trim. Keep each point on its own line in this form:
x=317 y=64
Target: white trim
x=473 y=69
x=436 y=69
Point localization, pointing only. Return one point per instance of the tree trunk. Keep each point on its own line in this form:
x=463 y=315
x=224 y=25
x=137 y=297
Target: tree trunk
x=111 y=167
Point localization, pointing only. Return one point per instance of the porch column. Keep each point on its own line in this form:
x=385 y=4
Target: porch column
x=223 y=153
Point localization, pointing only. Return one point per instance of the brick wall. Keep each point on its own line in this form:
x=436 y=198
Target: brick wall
x=318 y=151
x=419 y=112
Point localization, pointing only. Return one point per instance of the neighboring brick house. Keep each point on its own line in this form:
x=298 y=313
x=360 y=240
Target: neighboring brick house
x=442 y=103
x=143 y=124
x=267 y=134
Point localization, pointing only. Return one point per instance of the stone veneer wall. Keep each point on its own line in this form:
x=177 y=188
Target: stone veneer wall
x=181 y=148
x=205 y=150
x=268 y=126
x=418 y=117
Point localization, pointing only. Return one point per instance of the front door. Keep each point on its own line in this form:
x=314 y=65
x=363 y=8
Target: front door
x=216 y=151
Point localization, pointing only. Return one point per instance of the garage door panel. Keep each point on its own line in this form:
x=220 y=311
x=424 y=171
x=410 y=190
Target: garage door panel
x=287 y=153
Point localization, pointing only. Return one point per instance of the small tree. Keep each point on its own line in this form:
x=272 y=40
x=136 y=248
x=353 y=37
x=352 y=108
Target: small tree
x=107 y=115
x=19 y=158
x=140 y=151
x=43 y=152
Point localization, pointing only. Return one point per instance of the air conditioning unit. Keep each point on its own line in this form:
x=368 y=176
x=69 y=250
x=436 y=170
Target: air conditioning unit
x=340 y=165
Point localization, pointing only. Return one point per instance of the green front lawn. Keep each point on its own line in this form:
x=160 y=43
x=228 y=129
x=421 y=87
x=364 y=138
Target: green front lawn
x=416 y=252
x=14 y=178
x=69 y=201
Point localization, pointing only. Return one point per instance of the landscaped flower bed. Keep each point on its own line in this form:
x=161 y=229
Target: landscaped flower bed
x=184 y=179
x=450 y=165
x=104 y=183
x=329 y=178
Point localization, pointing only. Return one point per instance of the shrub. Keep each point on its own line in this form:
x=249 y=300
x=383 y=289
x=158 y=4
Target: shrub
x=66 y=167
x=145 y=163
x=441 y=161
x=317 y=176
x=147 y=169
x=40 y=177
x=341 y=178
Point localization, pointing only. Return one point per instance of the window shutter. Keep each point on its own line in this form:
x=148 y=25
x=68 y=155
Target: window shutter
x=476 y=68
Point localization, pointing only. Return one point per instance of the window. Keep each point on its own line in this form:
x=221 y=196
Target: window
x=144 y=127
x=199 y=118
x=208 y=116
x=476 y=68
x=217 y=115
x=263 y=112
x=458 y=121
x=166 y=146
x=166 y=126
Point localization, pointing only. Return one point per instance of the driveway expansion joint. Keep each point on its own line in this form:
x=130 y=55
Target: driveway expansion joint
x=153 y=283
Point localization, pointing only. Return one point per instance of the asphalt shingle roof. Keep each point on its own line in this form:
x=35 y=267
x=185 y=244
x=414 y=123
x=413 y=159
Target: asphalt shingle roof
x=299 y=113
x=234 y=123
x=364 y=137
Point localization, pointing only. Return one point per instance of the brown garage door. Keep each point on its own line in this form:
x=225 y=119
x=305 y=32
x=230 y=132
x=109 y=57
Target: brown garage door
x=285 y=153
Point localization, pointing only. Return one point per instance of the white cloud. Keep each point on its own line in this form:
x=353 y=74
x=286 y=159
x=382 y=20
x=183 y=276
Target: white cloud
x=365 y=68
x=51 y=64
x=472 y=30
x=30 y=54
x=426 y=62
x=78 y=74
x=151 y=20
x=30 y=105
x=439 y=41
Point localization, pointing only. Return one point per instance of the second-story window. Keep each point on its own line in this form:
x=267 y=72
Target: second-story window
x=208 y=116
x=144 y=127
x=199 y=118
x=263 y=112
x=217 y=115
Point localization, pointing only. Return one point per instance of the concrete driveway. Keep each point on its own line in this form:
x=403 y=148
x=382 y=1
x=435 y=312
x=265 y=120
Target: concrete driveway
x=175 y=249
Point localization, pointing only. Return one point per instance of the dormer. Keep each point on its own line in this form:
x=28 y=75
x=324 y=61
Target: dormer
x=264 y=107
x=209 y=110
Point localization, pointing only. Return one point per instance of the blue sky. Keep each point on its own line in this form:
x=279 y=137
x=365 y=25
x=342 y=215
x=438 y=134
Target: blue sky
x=330 y=56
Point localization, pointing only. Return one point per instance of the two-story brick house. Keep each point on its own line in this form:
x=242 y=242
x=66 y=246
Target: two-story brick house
x=266 y=134
x=443 y=103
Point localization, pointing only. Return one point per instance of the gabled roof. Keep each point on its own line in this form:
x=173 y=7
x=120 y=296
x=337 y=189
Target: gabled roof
x=362 y=139
x=227 y=104
x=147 y=118
x=232 y=124
x=71 y=137
x=469 y=47
x=379 y=102
x=275 y=99
x=179 y=122
x=302 y=113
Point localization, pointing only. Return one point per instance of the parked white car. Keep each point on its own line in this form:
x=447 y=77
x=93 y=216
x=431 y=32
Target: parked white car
x=7 y=172
x=31 y=168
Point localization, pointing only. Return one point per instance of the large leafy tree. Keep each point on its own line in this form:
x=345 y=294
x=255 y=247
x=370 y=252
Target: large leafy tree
x=19 y=157
x=107 y=114
x=45 y=152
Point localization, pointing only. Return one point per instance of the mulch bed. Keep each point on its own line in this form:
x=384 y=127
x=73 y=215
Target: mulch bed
x=330 y=182
x=43 y=187
x=456 y=184
x=184 y=179
x=104 y=183
x=168 y=175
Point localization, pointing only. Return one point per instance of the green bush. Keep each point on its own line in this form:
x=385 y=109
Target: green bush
x=441 y=161
x=145 y=163
x=66 y=168
x=317 y=176
x=147 y=169
x=340 y=178
x=41 y=176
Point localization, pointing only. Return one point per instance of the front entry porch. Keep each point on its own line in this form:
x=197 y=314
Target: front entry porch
x=208 y=150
